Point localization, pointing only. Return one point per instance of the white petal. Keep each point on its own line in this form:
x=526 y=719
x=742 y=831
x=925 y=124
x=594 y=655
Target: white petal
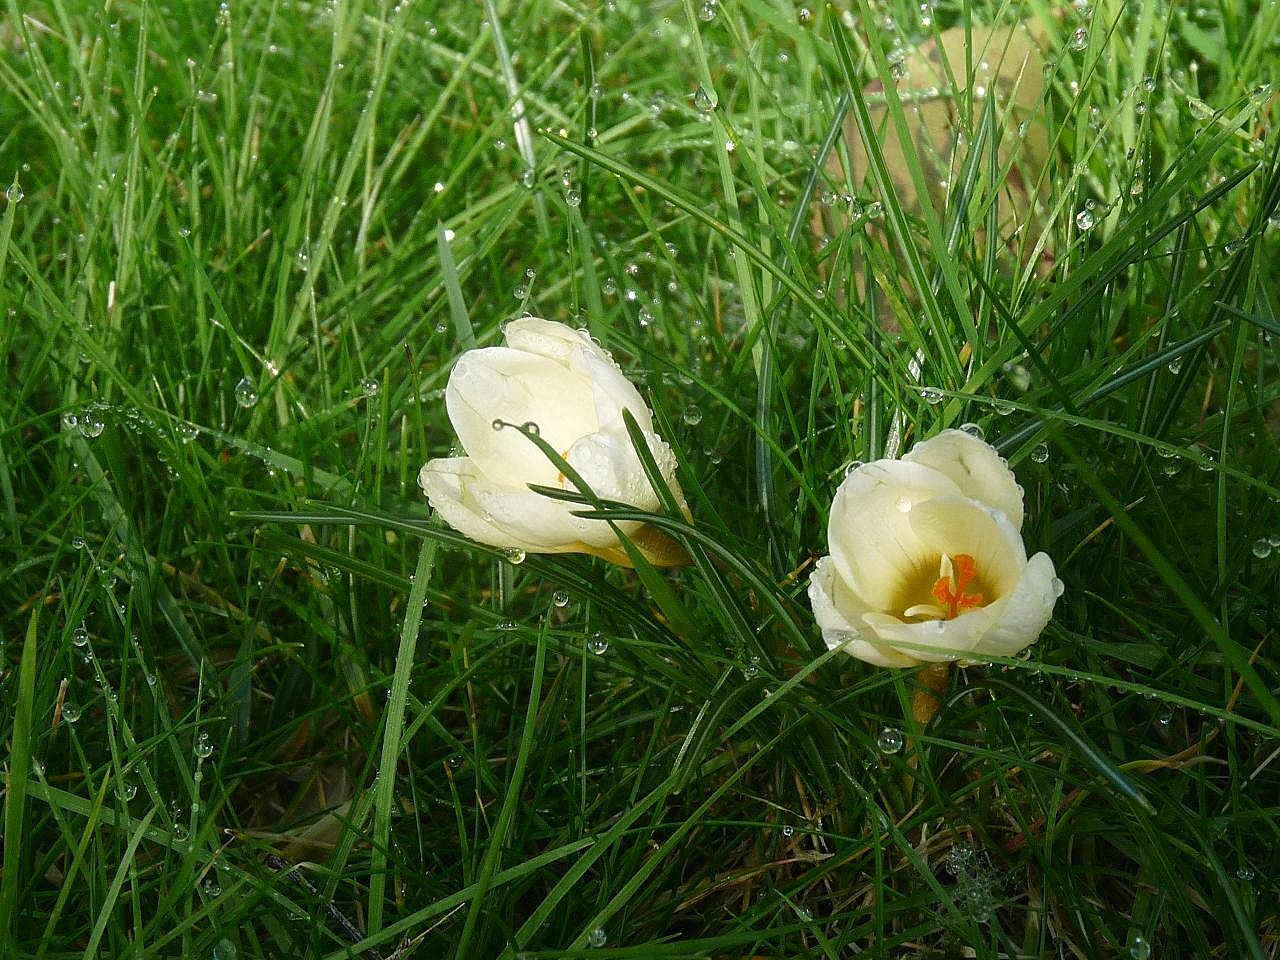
x=836 y=611
x=502 y=517
x=870 y=534
x=583 y=356
x=609 y=465
x=1024 y=612
x=498 y=383
x=975 y=467
x=952 y=525
x=932 y=640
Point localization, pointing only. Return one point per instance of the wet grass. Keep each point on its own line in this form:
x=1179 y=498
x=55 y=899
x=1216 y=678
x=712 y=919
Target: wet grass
x=240 y=247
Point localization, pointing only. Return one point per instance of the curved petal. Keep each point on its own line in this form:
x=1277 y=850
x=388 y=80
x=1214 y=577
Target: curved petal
x=933 y=640
x=612 y=470
x=954 y=525
x=503 y=517
x=499 y=383
x=830 y=604
x=447 y=484
x=870 y=533
x=1024 y=612
x=583 y=356
x=975 y=467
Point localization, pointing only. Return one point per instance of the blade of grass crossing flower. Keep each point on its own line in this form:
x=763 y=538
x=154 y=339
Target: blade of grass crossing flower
x=392 y=742
x=511 y=799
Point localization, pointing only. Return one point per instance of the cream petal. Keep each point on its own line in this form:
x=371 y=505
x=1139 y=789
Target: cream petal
x=504 y=517
x=953 y=525
x=1024 y=612
x=870 y=533
x=836 y=611
x=933 y=640
x=975 y=467
x=610 y=467
x=499 y=383
x=583 y=356
x=448 y=484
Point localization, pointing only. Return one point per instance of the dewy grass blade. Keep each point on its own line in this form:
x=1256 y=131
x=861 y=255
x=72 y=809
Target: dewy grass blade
x=393 y=727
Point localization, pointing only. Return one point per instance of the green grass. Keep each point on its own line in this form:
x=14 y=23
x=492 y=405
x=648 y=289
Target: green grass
x=232 y=630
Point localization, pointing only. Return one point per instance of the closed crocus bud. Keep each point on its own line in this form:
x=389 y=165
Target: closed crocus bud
x=927 y=561
x=559 y=382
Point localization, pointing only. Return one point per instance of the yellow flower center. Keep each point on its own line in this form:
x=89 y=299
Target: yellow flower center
x=957 y=588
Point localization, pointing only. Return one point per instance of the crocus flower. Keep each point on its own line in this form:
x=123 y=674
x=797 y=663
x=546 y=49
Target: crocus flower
x=559 y=382
x=927 y=562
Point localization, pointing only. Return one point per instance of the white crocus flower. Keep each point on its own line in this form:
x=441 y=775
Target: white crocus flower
x=557 y=380
x=927 y=562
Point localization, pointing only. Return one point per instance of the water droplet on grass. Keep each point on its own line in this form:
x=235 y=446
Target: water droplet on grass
x=1139 y=949
x=932 y=395
x=1262 y=548
x=70 y=711
x=598 y=644
x=81 y=637
x=1079 y=38
x=692 y=415
x=890 y=740
x=246 y=393
x=370 y=387
x=597 y=937
x=204 y=746
x=1040 y=453
x=560 y=599
x=1085 y=220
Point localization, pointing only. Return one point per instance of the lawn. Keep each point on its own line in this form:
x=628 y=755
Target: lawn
x=259 y=700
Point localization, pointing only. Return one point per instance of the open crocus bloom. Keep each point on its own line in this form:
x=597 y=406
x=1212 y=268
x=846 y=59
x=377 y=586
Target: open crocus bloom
x=927 y=562
x=554 y=379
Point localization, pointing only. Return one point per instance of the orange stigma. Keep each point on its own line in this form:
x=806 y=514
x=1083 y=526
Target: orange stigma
x=962 y=569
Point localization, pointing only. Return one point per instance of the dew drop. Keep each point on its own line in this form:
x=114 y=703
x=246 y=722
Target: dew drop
x=852 y=466
x=224 y=949
x=573 y=197
x=246 y=393
x=506 y=625
x=890 y=740
x=515 y=556
x=1245 y=872
x=370 y=387
x=498 y=423
x=91 y=424
x=204 y=746
x=77 y=543
x=1262 y=548
x=708 y=11
x=704 y=100
x=71 y=711
x=1085 y=220
x=70 y=420
x=129 y=789
x=598 y=644
x=530 y=428
x=597 y=937
x=692 y=415
x=1139 y=949
x=609 y=286
x=973 y=430
x=1040 y=453
x=1057 y=586
x=560 y=599
x=1079 y=38
x=81 y=637
x=788 y=830
x=931 y=395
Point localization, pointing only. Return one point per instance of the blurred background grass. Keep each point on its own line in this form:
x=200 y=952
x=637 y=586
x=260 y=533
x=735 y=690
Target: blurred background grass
x=240 y=246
